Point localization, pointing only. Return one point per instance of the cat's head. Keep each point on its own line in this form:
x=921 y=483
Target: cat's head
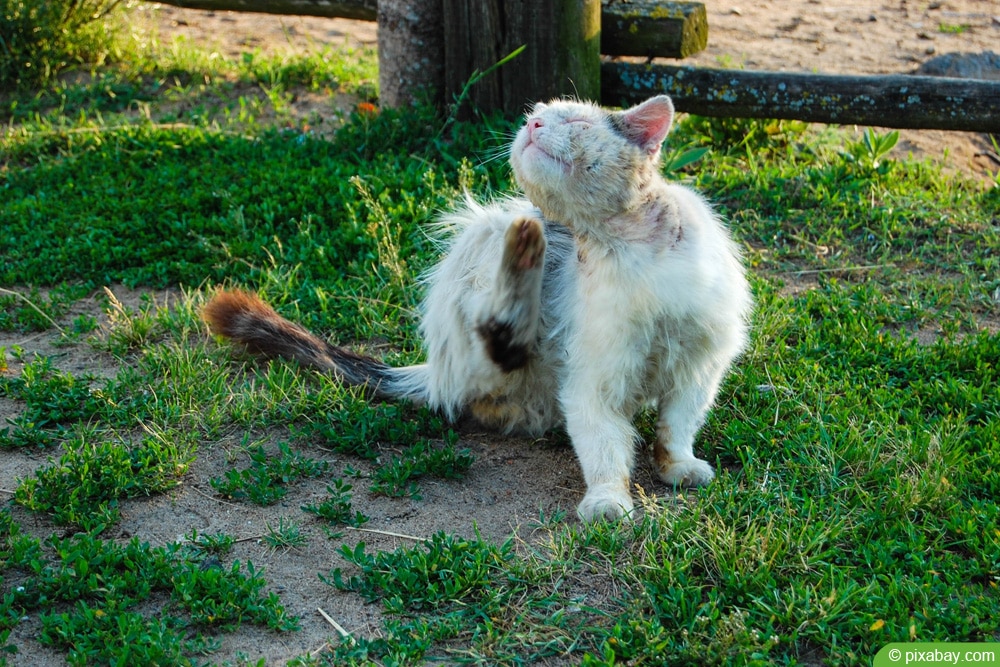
x=577 y=161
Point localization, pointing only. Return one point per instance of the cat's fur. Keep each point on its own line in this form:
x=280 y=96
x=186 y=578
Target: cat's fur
x=611 y=289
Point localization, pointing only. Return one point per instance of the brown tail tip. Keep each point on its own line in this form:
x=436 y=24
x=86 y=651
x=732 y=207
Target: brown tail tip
x=227 y=309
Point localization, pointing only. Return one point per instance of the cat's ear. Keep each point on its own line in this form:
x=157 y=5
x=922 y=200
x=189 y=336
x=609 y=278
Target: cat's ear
x=647 y=124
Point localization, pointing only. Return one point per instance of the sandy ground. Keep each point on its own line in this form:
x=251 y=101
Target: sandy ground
x=860 y=37
x=512 y=480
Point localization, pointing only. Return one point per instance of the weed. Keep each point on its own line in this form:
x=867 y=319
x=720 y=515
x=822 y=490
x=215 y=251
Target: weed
x=93 y=634
x=215 y=545
x=83 y=488
x=953 y=28
x=126 y=330
x=435 y=590
x=83 y=324
x=872 y=148
x=398 y=477
x=422 y=578
x=285 y=535
x=681 y=158
x=385 y=235
x=463 y=96
x=225 y=598
x=265 y=481
x=53 y=399
x=336 y=509
x=86 y=591
x=31 y=312
x=358 y=428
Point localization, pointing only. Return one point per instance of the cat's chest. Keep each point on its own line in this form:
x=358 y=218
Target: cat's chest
x=624 y=336
x=625 y=289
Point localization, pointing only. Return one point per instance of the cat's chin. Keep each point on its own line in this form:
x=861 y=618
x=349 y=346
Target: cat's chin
x=534 y=165
x=605 y=502
x=534 y=153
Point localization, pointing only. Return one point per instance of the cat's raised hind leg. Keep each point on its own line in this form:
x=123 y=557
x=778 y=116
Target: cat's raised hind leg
x=508 y=324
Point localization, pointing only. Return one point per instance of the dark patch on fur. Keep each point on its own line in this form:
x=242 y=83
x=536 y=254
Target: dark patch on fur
x=498 y=337
x=617 y=123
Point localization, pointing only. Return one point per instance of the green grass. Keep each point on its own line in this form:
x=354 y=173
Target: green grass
x=857 y=440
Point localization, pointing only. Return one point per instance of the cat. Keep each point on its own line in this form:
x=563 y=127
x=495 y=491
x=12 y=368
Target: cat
x=604 y=290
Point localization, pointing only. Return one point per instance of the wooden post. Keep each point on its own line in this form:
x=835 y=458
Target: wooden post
x=653 y=28
x=900 y=101
x=561 y=55
x=410 y=50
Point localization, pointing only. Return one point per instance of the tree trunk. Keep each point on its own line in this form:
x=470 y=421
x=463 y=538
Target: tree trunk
x=561 y=55
x=411 y=52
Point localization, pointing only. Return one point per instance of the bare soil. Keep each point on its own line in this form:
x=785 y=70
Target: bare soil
x=512 y=479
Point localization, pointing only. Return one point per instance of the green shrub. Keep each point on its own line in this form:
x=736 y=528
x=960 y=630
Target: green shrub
x=38 y=38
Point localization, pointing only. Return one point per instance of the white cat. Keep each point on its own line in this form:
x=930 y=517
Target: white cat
x=606 y=290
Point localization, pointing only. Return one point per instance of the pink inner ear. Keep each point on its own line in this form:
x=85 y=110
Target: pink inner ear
x=650 y=121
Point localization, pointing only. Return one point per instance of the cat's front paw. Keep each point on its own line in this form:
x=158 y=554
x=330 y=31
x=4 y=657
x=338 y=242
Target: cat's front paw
x=688 y=472
x=608 y=502
x=525 y=245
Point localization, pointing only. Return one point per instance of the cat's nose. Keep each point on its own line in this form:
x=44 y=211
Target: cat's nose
x=534 y=124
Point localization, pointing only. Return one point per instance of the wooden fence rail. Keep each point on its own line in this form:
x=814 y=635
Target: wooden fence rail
x=899 y=101
x=363 y=10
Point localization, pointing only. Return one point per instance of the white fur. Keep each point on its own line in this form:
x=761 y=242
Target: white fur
x=643 y=300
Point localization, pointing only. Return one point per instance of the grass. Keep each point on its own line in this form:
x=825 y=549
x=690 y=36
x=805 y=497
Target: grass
x=856 y=441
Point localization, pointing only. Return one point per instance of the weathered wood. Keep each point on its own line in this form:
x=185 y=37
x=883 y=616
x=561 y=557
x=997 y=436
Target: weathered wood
x=653 y=28
x=628 y=27
x=562 y=54
x=410 y=45
x=362 y=10
x=898 y=101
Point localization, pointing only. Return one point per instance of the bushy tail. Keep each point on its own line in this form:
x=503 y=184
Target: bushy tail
x=246 y=320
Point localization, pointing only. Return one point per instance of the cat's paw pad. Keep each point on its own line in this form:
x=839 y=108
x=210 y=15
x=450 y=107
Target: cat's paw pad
x=525 y=244
x=688 y=472
x=607 y=502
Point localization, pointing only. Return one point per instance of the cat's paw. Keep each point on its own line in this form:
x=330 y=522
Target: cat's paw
x=608 y=502
x=687 y=472
x=525 y=244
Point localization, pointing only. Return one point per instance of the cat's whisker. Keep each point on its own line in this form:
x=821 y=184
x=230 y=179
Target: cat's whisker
x=494 y=154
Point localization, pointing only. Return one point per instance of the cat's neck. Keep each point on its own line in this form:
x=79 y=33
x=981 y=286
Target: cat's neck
x=649 y=220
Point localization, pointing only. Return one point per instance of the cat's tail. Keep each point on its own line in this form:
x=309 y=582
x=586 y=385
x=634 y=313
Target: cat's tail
x=249 y=322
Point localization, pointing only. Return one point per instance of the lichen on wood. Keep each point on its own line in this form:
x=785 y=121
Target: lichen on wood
x=898 y=101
